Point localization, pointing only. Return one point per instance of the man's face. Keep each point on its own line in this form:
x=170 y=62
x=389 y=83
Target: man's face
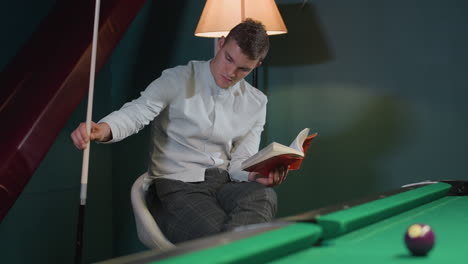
x=230 y=65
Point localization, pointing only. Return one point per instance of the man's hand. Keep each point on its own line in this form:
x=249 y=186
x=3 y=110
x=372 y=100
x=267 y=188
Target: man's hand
x=99 y=132
x=275 y=177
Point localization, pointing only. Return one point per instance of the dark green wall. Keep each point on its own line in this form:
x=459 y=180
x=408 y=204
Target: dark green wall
x=382 y=82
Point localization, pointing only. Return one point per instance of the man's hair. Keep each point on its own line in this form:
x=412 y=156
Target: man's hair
x=251 y=37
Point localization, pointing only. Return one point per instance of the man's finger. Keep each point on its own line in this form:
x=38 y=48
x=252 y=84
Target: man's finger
x=285 y=172
x=278 y=177
x=83 y=132
x=285 y=175
x=77 y=138
x=265 y=181
x=75 y=141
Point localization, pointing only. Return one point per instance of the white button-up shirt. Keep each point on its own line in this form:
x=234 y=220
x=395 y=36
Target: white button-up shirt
x=196 y=124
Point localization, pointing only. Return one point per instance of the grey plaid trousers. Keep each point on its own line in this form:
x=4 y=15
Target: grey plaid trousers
x=186 y=211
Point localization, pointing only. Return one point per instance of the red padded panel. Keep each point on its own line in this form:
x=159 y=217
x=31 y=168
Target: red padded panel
x=46 y=81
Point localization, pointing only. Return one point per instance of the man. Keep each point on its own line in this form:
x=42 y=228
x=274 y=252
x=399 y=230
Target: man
x=206 y=119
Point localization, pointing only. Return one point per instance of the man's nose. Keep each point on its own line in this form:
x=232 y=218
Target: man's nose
x=232 y=71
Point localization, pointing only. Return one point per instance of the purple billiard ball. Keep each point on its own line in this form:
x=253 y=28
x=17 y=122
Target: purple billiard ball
x=419 y=239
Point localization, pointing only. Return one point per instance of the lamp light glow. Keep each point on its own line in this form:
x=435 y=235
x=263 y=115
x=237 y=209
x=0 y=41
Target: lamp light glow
x=220 y=16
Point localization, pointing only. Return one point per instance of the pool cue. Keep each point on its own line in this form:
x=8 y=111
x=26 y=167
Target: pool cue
x=85 y=165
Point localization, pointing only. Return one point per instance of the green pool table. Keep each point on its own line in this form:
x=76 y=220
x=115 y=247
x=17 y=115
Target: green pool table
x=366 y=231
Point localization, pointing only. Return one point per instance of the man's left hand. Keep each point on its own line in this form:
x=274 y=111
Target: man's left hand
x=275 y=177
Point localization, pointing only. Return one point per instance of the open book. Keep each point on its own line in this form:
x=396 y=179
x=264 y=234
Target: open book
x=276 y=155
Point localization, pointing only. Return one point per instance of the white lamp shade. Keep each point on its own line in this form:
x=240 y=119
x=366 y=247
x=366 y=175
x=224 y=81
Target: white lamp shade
x=220 y=16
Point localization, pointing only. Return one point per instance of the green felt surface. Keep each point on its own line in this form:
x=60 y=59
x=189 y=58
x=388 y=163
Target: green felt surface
x=257 y=249
x=383 y=242
x=344 y=221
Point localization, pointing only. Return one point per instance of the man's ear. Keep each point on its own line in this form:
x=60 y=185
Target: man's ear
x=221 y=42
x=258 y=64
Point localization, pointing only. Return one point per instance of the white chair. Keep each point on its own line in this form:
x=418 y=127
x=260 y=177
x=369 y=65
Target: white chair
x=147 y=228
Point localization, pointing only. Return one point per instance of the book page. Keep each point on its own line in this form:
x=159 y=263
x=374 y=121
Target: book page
x=297 y=143
x=269 y=151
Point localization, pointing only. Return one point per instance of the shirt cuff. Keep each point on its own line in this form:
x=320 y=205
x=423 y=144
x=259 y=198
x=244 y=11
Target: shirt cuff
x=239 y=176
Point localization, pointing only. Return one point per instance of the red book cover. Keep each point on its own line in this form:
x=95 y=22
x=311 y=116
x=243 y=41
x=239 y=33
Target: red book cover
x=282 y=158
x=305 y=146
x=266 y=166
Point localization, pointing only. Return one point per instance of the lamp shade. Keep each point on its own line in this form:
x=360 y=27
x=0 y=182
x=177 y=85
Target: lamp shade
x=220 y=16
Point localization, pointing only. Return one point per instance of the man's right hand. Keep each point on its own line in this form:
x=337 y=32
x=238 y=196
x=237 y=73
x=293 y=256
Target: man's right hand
x=99 y=132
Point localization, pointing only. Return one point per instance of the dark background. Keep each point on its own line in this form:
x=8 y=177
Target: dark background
x=382 y=82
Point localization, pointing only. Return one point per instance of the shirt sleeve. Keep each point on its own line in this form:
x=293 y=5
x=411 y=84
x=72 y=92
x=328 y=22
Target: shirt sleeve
x=134 y=115
x=246 y=147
